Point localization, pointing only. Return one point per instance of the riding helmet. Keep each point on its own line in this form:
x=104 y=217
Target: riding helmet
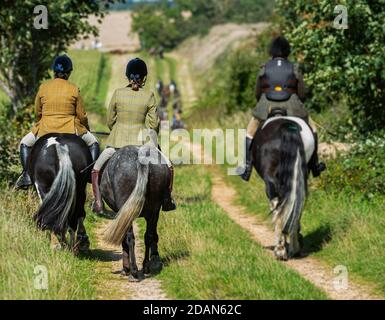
x=280 y=48
x=62 y=64
x=136 y=70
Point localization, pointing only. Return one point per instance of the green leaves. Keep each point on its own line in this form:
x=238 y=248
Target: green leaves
x=27 y=53
x=340 y=63
x=164 y=25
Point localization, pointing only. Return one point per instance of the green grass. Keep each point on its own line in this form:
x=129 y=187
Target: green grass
x=172 y=67
x=91 y=74
x=4 y=100
x=208 y=256
x=159 y=68
x=339 y=228
x=23 y=249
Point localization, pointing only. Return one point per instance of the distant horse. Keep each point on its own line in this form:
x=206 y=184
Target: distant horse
x=56 y=168
x=281 y=151
x=132 y=186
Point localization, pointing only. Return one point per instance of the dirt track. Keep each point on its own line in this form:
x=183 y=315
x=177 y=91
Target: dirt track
x=116 y=287
x=310 y=268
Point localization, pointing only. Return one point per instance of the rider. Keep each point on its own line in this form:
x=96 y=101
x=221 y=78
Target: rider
x=59 y=109
x=280 y=85
x=131 y=110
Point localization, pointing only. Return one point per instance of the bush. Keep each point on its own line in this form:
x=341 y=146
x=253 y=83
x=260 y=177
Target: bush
x=232 y=85
x=362 y=170
x=340 y=63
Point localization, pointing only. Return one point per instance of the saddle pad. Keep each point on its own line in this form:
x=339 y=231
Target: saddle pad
x=306 y=134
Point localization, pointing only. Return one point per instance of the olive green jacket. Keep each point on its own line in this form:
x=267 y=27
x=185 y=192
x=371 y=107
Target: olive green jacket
x=129 y=113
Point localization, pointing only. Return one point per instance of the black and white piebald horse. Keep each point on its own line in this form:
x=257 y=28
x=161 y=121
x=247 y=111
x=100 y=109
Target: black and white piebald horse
x=57 y=169
x=282 y=149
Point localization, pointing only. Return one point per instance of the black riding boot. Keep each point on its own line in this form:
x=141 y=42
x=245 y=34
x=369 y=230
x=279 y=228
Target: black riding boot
x=168 y=202
x=249 y=161
x=24 y=180
x=315 y=166
x=95 y=151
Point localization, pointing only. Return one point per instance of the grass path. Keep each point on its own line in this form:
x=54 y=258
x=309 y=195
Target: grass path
x=313 y=270
x=224 y=195
x=310 y=268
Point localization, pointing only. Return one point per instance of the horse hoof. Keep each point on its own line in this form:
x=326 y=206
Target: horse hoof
x=281 y=254
x=124 y=272
x=84 y=247
x=131 y=278
x=155 y=265
x=138 y=277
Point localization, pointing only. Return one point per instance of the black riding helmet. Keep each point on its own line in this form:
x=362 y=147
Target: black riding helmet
x=280 y=48
x=136 y=70
x=62 y=64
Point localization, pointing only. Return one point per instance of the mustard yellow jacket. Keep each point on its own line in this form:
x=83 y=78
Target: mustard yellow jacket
x=59 y=109
x=129 y=113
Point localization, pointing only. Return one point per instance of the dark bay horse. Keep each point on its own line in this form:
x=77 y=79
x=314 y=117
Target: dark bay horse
x=281 y=151
x=133 y=184
x=56 y=168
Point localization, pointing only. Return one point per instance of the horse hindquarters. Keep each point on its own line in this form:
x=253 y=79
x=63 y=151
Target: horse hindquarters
x=292 y=189
x=117 y=231
x=59 y=203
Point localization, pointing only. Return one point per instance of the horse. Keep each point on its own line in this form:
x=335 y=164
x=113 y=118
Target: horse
x=59 y=169
x=281 y=151
x=133 y=184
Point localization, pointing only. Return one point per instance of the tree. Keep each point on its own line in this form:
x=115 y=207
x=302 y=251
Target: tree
x=163 y=24
x=340 y=63
x=27 y=52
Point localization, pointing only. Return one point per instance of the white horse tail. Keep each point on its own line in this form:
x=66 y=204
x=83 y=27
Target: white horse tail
x=292 y=180
x=59 y=204
x=117 y=230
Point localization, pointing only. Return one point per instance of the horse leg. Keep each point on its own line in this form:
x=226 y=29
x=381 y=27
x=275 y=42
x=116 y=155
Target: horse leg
x=72 y=243
x=296 y=242
x=152 y=263
x=280 y=249
x=134 y=273
x=271 y=193
x=82 y=240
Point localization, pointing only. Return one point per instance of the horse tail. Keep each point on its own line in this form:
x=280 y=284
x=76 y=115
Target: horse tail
x=59 y=204
x=292 y=176
x=117 y=230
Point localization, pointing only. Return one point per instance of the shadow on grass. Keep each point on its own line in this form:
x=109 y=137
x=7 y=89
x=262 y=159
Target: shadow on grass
x=102 y=255
x=175 y=256
x=314 y=241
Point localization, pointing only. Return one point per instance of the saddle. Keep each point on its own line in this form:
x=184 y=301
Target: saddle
x=307 y=134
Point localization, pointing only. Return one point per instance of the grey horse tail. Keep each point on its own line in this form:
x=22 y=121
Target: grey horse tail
x=292 y=176
x=59 y=204
x=118 y=228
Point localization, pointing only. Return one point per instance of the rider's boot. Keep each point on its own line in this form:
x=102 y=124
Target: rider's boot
x=315 y=166
x=97 y=206
x=168 y=202
x=249 y=162
x=24 y=180
x=95 y=151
